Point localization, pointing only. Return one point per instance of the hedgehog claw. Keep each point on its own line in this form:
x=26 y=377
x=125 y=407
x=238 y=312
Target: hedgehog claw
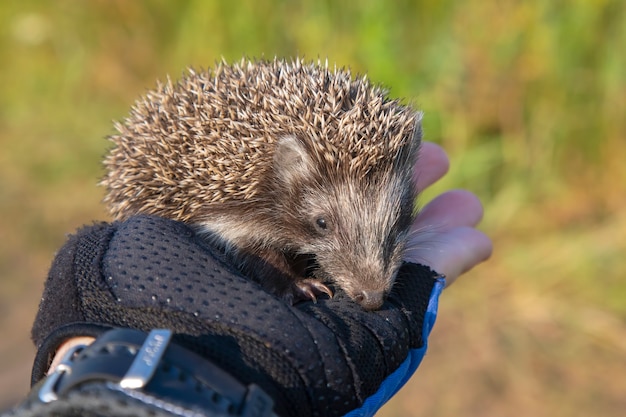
x=308 y=289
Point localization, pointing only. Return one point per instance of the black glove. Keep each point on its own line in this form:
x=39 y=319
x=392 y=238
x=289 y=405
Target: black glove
x=325 y=358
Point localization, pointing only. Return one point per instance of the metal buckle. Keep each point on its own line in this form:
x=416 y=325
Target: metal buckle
x=47 y=392
x=139 y=373
x=147 y=359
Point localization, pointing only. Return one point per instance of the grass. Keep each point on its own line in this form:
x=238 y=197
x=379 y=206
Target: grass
x=527 y=97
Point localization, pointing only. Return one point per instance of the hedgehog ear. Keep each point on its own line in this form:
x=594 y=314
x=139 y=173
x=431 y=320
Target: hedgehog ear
x=291 y=161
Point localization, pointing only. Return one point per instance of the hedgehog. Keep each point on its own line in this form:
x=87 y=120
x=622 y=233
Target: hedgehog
x=301 y=174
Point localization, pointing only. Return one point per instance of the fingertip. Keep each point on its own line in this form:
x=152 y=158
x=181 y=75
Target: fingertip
x=432 y=164
x=435 y=152
x=478 y=249
x=453 y=252
x=486 y=245
x=471 y=204
x=451 y=209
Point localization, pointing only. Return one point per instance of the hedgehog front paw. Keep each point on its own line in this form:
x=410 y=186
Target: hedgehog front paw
x=306 y=289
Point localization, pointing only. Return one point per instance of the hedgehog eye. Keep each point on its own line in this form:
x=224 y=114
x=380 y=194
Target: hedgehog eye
x=321 y=225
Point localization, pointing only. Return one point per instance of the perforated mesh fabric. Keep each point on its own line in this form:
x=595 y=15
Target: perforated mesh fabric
x=314 y=359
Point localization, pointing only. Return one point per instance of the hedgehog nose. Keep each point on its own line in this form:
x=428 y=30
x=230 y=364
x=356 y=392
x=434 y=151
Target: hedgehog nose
x=370 y=300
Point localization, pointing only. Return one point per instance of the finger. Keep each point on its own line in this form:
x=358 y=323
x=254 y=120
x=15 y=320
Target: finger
x=450 y=209
x=432 y=164
x=451 y=253
x=469 y=246
x=66 y=347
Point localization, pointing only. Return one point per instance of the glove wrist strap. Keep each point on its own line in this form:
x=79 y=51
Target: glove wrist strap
x=151 y=369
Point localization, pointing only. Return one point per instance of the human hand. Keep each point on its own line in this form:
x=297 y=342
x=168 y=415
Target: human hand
x=313 y=359
x=443 y=235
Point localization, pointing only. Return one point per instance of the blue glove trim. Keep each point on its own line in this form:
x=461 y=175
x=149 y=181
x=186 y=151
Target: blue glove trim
x=392 y=384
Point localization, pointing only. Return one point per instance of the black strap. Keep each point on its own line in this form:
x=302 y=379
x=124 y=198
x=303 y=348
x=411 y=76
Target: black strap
x=152 y=368
x=48 y=348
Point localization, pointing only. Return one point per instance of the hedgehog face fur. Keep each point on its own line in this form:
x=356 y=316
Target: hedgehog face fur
x=276 y=161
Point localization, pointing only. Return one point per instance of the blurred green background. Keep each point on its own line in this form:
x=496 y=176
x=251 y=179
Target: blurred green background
x=528 y=98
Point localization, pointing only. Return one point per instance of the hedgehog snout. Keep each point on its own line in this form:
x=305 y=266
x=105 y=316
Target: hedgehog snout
x=370 y=295
x=370 y=300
